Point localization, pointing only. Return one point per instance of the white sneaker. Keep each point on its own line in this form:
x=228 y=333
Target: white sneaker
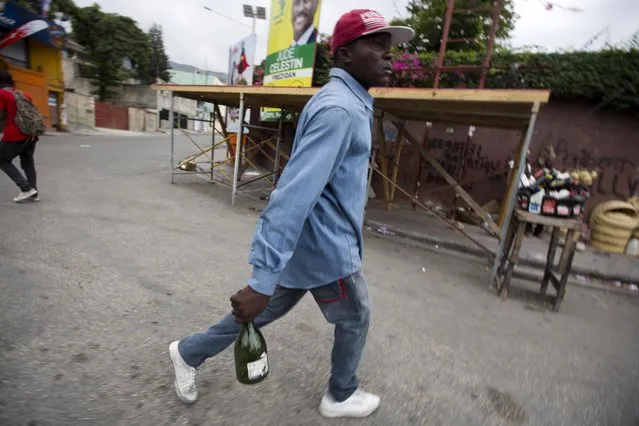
x=185 y=376
x=35 y=198
x=360 y=404
x=22 y=196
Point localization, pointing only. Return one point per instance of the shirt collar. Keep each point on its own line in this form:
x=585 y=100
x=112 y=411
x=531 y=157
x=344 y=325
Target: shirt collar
x=305 y=37
x=357 y=89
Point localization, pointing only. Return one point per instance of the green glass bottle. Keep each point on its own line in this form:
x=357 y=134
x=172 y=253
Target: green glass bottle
x=251 y=360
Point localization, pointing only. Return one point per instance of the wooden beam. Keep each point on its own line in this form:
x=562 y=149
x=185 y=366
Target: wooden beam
x=435 y=213
x=474 y=95
x=451 y=181
x=420 y=165
x=512 y=181
x=396 y=158
x=381 y=140
x=282 y=154
x=221 y=119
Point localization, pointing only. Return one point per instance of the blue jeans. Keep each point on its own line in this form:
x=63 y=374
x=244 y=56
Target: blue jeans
x=344 y=303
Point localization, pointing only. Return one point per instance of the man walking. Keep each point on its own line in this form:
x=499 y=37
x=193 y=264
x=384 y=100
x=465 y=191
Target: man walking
x=309 y=237
x=14 y=143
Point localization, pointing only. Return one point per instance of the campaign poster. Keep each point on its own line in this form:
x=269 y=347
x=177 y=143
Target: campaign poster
x=241 y=63
x=290 y=53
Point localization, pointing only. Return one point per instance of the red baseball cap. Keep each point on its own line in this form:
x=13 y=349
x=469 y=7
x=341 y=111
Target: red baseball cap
x=362 y=22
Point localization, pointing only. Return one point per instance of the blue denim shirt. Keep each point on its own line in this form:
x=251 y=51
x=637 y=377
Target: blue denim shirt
x=310 y=233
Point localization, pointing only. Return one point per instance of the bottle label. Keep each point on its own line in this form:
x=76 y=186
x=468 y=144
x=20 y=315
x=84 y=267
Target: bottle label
x=259 y=368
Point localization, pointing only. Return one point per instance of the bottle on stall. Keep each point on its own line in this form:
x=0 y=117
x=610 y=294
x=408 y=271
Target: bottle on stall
x=251 y=359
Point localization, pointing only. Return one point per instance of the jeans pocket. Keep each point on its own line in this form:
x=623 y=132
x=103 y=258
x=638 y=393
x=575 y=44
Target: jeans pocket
x=330 y=293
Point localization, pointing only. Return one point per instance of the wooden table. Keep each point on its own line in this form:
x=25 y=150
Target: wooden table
x=514 y=239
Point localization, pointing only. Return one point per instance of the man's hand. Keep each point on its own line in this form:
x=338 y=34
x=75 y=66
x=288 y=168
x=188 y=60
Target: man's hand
x=248 y=304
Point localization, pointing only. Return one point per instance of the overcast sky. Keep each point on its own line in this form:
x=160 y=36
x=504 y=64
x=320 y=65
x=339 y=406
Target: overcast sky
x=195 y=36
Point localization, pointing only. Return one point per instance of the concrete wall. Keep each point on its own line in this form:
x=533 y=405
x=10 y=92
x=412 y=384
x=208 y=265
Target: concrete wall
x=183 y=106
x=150 y=120
x=72 y=81
x=581 y=135
x=136 y=95
x=136 y=120
x=79 y=111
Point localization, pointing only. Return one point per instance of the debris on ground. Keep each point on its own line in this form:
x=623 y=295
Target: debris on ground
x=385 y=231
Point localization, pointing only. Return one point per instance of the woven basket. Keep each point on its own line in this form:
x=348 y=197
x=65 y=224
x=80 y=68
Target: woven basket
x=608 y=248
x=612 y=225
x=613 y=206
x=615 y=219
x=634 y=201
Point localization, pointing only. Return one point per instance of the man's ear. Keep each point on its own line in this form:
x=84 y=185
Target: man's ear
x=344 y=55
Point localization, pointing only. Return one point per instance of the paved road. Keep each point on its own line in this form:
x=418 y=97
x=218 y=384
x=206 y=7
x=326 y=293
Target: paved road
x=114 y=263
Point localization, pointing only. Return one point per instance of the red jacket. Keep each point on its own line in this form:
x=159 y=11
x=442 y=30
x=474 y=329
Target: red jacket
x=8 y=105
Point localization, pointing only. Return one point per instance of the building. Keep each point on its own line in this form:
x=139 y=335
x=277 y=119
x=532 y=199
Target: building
x=185 y=109
x=35 y=61
x=78 y=110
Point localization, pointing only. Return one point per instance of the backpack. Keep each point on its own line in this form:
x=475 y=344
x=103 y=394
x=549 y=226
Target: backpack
x=28 y=118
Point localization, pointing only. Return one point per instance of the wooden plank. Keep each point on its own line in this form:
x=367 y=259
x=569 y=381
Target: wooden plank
x=222 y=120
x=513 y=259
x=474 y=95
x=509 y=123
x=565 y=265
x=508 y=109
x=494 y=109
x=388 y=93
x=548 y=220
x=381 y=139
x=420 y=164
x=436 y=214
x=396 y=158
x=282 y=153
x=550 y=260
x=554 y=281
x=512 y=181
x=451 y=181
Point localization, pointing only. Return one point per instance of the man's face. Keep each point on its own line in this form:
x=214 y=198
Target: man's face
x=371 y=60
x=303 y=16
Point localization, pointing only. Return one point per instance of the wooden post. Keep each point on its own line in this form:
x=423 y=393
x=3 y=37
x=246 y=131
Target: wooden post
x=396 y=159
x=222 y=120
x=381 y=139
x=513 y=181
x=420 y=164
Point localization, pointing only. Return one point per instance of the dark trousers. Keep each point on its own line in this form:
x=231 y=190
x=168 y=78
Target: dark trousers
x=8 y=152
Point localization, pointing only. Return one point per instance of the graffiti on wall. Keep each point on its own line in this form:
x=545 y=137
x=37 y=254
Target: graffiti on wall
x=475 y=161
x=618 y=176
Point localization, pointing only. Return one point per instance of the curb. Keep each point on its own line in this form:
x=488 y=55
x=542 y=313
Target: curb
x=524 y=259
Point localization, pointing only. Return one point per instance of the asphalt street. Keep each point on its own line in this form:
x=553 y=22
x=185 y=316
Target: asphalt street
x=114 y=263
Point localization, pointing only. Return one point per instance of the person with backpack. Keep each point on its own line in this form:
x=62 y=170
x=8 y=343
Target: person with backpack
x=22 y=124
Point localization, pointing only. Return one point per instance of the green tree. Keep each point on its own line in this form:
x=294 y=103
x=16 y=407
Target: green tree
x=66 y=7
x=117 y=48
x=158 y=60
x=471 y=20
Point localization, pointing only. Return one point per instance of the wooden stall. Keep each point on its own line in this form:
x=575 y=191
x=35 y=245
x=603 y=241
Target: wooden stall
x=505 y=109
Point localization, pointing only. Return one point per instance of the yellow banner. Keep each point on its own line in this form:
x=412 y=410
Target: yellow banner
x=290 y=53
x=293 y=22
